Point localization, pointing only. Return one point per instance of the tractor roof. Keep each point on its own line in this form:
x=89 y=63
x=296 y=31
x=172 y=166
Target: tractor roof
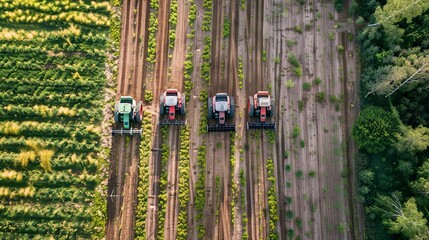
x=263 y=93
x=172 y=90
x=124 y=108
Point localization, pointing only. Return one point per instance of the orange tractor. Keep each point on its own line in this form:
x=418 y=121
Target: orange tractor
x=261 y=107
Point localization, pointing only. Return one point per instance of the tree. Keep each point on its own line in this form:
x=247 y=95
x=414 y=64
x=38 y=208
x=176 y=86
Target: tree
x=421 y=185
x=374 y=129
x=412 y=139
x=409 y=222
x=396 y=10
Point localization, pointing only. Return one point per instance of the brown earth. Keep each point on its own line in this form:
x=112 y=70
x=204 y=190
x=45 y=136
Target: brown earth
x=314 y=170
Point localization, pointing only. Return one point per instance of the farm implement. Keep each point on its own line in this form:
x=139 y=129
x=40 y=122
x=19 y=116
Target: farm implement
x=127 y=110
x=172 y=103
x=261 y=107
x=221 y=107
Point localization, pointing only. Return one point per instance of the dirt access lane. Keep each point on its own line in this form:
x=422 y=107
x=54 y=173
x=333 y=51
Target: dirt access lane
x=123 y=171
x=312 y=134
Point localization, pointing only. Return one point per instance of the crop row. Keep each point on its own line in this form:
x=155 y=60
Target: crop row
x=54 y=228
x=200 y=195
x=207 y=17
x=184 y=166
x=163 y=183
x=62 y=19
x=143 y=187
x=173 y=22
x=56 y=179
x=57 y=6
x=153 y=27
x=46 y=195
x=272 y=201
x=61 y=145
x=60 y=212
x=205 y=66
x=204 y=109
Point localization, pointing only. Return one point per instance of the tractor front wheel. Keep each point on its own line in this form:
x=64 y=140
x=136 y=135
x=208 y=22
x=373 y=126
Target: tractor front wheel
x=116 y=112
x=251 y=107
x=139 y=112
x=273 y=108
x=231 y=107
x=183 y=108
x=210 y=107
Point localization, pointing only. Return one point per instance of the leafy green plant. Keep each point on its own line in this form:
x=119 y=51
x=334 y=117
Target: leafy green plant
x=306 y=86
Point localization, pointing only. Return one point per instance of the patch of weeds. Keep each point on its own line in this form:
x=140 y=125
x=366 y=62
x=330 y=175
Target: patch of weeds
x=306 y=86
x=331 y=36
x=331 y=16
x=334 y=99
x=340 y=48
x=298 y=71
x=317 y=81
x=264 y=56
x=288 y=167
x=320 y=97
x=312 y=173
x=301 y=2
x=302 y=143
x=301 y=105
x=290 y=233
x=286 y=154
x=219 y=145
x=290 y=84
x=299 y=174
x=288 y=200
x=318 y=15
x=292 y=59
x=298 y=222
x=308 y=26
x=298 y=29
x=289 y=214
x=288 y=184
x=290 y=43
x=276 y=60
x=296 y=131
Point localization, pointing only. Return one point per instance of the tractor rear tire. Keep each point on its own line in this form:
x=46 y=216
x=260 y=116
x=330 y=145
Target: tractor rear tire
x=183 y=108
x=273 y=108
x=251 y=107
x=139 y=112
x=210 y=107
x=161 y=106
x=232 y=107
x=116 y=112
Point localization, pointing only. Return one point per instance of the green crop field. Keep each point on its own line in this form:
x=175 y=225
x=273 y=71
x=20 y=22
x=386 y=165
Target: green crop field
x=52 y=63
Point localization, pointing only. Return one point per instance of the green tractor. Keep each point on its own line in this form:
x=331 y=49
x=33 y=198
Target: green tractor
x=127 y=110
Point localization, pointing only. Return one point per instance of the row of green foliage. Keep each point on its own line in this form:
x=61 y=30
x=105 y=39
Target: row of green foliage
x=244 y=220
x=392 y=130
x=207 y=17
x=240 y=72
x=200 y=189
x=204 y=108
x=173 y=22
x=163 y=183
x=205 y=67
x=184 y=166
x=272 y=201
x=143 y=186
x=153 y=27
x=234 y=188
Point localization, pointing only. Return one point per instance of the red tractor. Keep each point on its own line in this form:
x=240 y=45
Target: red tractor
x=261 y=106
x=220 y=107
x=172 y=102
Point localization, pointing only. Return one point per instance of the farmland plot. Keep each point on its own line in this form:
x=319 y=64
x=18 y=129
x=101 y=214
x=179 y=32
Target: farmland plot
x=52 y=71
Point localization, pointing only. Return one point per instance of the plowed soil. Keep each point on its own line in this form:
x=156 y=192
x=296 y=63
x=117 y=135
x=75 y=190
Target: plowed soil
x=313 y=152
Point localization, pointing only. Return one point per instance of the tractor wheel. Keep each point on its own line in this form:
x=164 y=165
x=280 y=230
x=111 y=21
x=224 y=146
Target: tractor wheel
x=273 y=108
x=116 y=112
x=139 y=112
x=251 y=107
x=232 y=107
x=161 y=106
x=183 y=108
x=210 y=107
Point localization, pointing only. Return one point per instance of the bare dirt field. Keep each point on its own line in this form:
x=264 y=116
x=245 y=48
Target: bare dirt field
x=305 y=56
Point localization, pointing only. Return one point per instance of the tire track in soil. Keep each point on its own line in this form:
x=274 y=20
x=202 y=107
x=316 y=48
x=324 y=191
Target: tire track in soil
x=123 y=173
x=158 y=85
x=256 y=156
x=170 y=227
